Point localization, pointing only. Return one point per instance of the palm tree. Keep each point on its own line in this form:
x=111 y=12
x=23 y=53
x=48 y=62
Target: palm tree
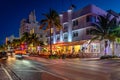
x=41 y=43
x=33 y=39
x=25 y=37
x=52 y=20
x=16 y=43
x=3 y=47
x=8 y=42
x=105 y=28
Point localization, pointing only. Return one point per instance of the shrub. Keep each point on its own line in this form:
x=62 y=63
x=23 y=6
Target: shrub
x=63 y=56
x=108 y=57
x=114 y=56
x=53 y=56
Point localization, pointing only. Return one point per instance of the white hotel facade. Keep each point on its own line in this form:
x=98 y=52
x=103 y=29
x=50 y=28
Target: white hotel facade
x=31 y=25
x=76 y=32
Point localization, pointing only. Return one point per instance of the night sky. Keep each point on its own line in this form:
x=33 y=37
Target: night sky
x=12 y=11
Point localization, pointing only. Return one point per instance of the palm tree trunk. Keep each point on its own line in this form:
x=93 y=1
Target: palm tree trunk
x=50 y=42
x=113 y=48
x=106 y=44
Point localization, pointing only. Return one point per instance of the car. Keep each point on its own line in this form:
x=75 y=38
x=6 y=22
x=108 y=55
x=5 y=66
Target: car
x=3 y=55
x=19 y=54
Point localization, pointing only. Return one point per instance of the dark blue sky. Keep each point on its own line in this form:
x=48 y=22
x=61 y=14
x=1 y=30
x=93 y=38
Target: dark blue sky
x=12 y=11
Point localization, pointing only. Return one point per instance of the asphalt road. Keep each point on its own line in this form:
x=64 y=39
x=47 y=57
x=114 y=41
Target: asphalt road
x=59 y=69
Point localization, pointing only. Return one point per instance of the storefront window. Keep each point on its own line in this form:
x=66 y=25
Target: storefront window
x=92 y=48
x=95 y=48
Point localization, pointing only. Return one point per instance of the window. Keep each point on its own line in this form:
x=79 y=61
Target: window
x=41 y=36
x=65 y=36
x=87 y=31
x=65 y=26
x=75 y=22
x=90 y=31
x=51 y=38
x=75 y=34
x=47 y=40
x=58 y=38
x=90 y=18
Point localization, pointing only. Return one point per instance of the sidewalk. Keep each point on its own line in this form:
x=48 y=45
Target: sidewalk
x=90 y=59
x=48 y=61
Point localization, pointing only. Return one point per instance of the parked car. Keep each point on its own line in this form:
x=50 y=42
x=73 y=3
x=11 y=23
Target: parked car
x=3 y=55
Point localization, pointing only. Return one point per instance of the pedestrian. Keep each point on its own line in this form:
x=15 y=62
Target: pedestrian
x=79 y=52
x=83 y=50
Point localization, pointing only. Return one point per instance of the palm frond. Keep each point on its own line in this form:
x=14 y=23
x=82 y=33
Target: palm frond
x=52 y=19
x=43 y=21
x=72 y=6
x=46 y=15
x=94 y=38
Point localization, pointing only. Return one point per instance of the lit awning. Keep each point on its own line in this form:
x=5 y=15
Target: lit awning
x=69 y=43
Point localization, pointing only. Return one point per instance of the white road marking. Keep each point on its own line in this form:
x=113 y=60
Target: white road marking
x=41 y=70
x=30 y=70
x=6 y=72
